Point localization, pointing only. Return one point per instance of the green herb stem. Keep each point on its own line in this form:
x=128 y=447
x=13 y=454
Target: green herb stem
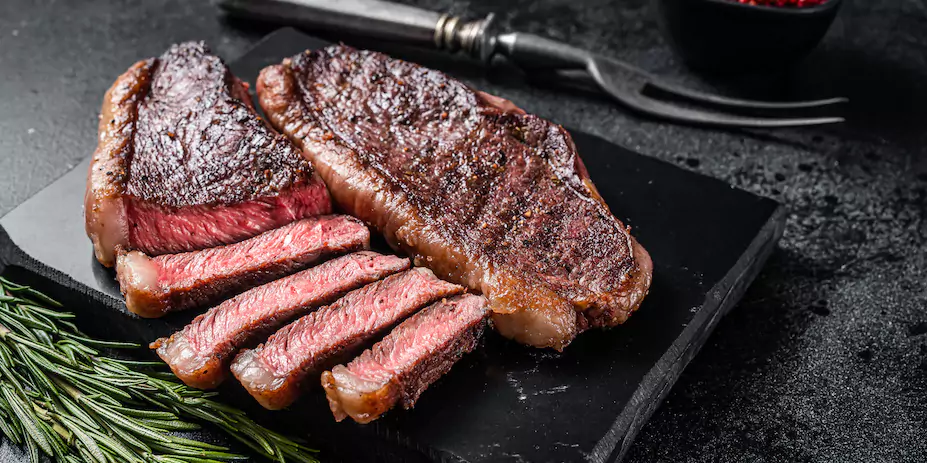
x=59 y=396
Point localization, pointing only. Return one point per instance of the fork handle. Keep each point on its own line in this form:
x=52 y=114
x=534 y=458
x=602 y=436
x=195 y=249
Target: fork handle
x=370 y=18
x=531 y=51
x=373 y=19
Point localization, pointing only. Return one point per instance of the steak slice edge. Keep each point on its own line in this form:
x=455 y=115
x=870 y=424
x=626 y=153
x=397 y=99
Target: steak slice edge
x=200 y=354
x=155 y=286
x=274 y=372
x=408 y=360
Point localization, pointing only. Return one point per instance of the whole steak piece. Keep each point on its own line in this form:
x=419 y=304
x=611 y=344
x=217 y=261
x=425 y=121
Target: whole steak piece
x=466 y=183
x=183 y=162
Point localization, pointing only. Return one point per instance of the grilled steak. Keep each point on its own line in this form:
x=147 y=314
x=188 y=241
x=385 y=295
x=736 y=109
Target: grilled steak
x=155 y=286
x=468 y=184
x=275 y=371
x=183 y=162
x=200 y=353
x=401 y=366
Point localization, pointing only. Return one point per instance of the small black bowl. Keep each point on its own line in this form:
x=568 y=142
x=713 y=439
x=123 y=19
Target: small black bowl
x=727 y=36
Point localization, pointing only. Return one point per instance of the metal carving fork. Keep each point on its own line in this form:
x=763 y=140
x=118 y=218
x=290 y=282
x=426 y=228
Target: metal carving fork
x=563 y=63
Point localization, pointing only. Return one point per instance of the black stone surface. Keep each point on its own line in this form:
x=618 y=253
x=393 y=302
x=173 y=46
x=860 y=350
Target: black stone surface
x=826 y=357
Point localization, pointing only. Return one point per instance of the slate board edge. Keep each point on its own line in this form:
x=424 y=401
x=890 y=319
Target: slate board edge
x=656 y=385
x=98 y=303
x=11 y=255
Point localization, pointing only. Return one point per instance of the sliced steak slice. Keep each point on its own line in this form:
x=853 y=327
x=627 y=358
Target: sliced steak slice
x=275 y=371
x=183 y=162
x=411 y=357
x=155 y=286
x=200 y=353
x=466 y=183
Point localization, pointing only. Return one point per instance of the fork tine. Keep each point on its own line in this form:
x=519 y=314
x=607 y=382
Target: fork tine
x=663 y=110
x=582 y=76
x=626 y=84
x=718 y=100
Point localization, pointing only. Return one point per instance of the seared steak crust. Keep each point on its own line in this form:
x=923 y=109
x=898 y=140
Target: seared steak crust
x=184 y=162
x=468 y=184
x=104 y=211
x=197 y=111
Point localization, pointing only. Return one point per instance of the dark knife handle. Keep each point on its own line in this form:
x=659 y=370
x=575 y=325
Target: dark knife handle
x=365 y=18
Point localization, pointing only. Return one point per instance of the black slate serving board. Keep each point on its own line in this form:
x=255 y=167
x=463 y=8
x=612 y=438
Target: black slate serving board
x=504 y=402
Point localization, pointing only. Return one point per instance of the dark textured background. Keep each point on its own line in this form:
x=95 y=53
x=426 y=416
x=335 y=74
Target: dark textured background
x=826 y=357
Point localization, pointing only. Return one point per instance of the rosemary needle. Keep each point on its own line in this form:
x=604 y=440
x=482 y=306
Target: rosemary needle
x=59 y=396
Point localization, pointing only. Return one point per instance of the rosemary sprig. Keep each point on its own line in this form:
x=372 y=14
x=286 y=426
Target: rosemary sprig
x=60 y=396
